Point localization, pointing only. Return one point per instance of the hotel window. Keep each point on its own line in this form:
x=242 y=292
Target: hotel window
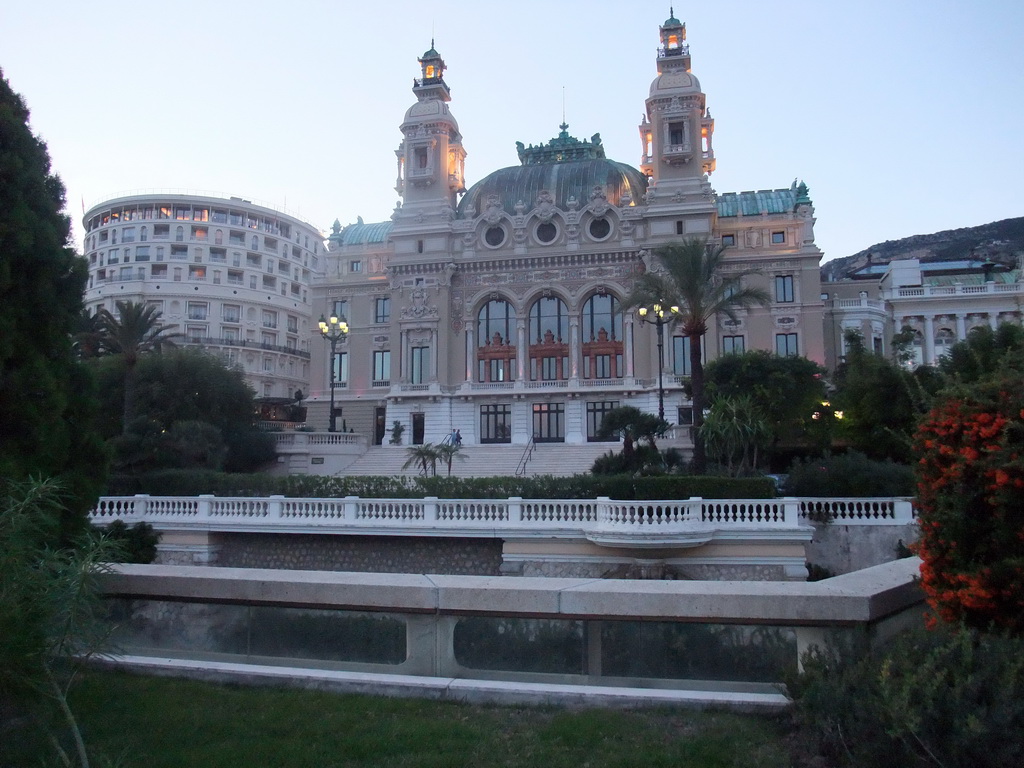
x=340 y=308
x=784 y=288
x=293 y=324
x=786 y=345
x=199 y=233
x=128 y=235
x=778 y=238
x=355 y=266
x=182 y=214
x=126 y=273
x=269 y=319
x=341 y=369
x=733 y=345
x=179 y=234
x=196 y=334
x=142 y=253
x=382 y=311
x=179 y=251
x=143 y=234
x=231 y=313
x=268 y=365
x=197 y=310
x=161 y=231
x=728 y=240
x=197 y=273
x=419 y=370
x=381 y=365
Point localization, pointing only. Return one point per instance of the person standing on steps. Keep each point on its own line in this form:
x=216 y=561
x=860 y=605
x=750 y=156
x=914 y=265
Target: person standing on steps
x=457 y=438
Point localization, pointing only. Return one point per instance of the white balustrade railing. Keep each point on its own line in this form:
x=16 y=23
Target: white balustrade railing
x=603 y=520
x=858 y=511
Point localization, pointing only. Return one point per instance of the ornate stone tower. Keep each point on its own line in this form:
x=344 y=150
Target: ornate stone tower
x=676 y=131
x=431 y=160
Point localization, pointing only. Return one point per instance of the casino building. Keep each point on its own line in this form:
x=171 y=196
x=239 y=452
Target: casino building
x=496 y=307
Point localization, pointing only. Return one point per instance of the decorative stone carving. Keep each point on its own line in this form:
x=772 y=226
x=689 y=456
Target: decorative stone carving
x=545 y=205
x=599 y=201
x=493 y=210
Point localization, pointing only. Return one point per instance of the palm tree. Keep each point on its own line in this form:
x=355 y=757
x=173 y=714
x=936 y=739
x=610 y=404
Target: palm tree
x=135 y=331
x=425 y=456
x=446 y=452
x=693 y=285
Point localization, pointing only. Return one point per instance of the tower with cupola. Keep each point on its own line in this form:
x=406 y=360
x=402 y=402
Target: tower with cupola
x=431 y=159
x=677 y=128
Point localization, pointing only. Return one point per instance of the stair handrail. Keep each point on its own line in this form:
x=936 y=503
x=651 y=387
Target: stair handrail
x=525 y=458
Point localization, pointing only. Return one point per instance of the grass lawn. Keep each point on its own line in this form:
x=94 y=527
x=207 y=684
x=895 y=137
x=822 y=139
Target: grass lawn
x=147 y=722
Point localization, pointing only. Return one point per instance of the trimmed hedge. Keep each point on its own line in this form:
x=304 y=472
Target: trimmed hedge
x=624 y=487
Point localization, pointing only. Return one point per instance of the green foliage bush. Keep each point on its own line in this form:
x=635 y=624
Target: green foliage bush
x=175 y=482
x=849 y=474
x=133 y=544
x=952 y=698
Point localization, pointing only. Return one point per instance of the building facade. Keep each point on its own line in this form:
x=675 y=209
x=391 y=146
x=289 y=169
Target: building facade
x=497 y=309
x=232 y=277
x=938 y=301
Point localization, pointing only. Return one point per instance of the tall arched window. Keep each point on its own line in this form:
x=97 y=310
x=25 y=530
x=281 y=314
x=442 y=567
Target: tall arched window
x=944 y=340
x=496 y=352
x=549 y=340
x=602 y=338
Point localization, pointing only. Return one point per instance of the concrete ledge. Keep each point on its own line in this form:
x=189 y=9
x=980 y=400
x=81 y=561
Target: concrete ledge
x=855 y=598
x=446 y=688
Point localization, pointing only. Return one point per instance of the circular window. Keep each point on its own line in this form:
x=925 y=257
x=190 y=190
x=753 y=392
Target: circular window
x=599 y=229
x=494 y=236
x=546 y=232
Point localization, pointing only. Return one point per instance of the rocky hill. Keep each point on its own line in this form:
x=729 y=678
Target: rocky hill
x=1001 y=242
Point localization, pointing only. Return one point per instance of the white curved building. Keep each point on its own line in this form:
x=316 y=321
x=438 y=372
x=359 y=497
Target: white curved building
x=234 y=277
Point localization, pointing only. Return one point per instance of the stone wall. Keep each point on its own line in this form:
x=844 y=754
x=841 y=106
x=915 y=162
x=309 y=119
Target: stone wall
x=369 y=554
x=848 y=548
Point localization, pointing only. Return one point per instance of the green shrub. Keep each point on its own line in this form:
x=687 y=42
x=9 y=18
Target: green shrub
x=134 y=544
x=621 y=486
x=849 y=474
x=951 y=698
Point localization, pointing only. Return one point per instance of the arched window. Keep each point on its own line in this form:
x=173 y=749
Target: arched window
x=144 y=234
x=496 y=352
x=549 y=340
x=179 y=234
x=218 y=237
x=255 y=243
x=944 y=340
x=602 y=338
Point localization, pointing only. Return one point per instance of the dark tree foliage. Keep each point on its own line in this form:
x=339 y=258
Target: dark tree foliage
x=787 y=390
x=984 y=352
x=881 y=401
x=175 y=389
x=46 y=402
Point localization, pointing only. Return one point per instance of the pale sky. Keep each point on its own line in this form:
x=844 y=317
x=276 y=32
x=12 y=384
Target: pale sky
x=904 y=117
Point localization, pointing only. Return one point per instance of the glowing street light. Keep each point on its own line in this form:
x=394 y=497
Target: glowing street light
x=333 y=330
x=660 y=315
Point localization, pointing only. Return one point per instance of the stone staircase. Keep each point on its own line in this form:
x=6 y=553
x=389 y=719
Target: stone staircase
x=486 y=460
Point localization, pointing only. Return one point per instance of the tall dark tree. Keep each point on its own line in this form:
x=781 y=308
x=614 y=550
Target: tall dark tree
x=46 y=407
x=693 y=284
x=787 y=390
x=135 y=330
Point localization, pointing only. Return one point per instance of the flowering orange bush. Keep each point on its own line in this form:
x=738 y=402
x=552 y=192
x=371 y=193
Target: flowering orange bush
x=970 y=495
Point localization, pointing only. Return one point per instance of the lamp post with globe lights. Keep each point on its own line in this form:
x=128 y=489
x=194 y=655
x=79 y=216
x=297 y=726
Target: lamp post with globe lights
x=660 y=315
x=333 y=329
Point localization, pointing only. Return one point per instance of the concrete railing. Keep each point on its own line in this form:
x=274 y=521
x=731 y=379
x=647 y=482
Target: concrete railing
x=541 y=640
x=602 y=520
x=853 y=511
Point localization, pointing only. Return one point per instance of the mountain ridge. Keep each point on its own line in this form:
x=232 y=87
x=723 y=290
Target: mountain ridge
x=1001 y=242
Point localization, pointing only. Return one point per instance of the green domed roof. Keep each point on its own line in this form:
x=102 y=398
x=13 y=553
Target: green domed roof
x=565 y=167
x=431 y=54
x=672 y=21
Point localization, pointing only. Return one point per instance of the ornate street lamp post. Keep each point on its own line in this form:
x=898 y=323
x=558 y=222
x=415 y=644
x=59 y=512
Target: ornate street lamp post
x=334 y=330
x=660 y=315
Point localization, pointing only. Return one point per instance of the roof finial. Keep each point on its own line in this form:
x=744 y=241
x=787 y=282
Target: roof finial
x=563 y=103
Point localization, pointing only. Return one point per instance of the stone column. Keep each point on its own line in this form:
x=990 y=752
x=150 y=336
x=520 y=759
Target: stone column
x=521 y=350
x=929 y=340
x=961 y=326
